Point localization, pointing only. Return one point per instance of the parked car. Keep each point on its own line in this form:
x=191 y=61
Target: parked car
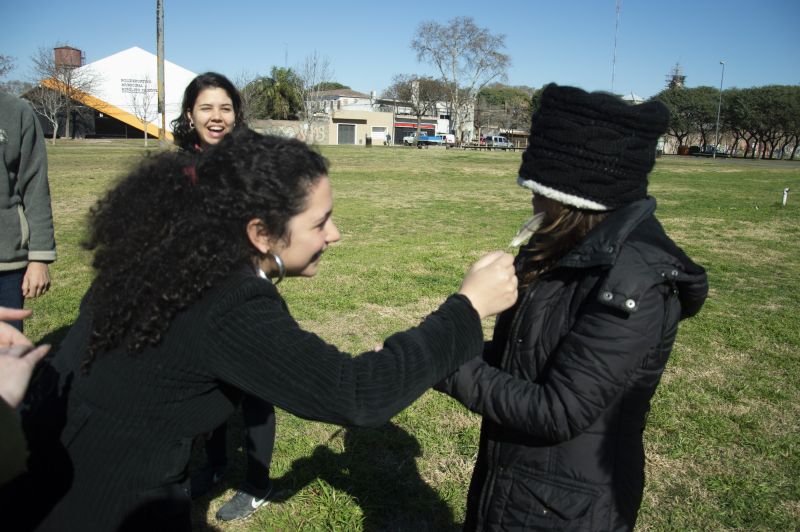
x=498 y=142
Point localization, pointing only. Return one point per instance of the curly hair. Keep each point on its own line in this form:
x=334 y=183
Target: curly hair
x=176 y=226
x=185 y=136
x=550 y=243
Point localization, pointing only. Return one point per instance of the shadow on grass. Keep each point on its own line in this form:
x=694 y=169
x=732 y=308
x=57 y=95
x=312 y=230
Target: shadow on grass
x=378 y=470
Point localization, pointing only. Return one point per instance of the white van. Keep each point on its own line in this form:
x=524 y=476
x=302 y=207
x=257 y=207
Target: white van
x=498 y=142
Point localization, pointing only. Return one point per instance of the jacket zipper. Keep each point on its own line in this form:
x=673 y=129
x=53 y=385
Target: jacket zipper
x=492 y=457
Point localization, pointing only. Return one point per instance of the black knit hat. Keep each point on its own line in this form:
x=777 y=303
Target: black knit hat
x=591 y=150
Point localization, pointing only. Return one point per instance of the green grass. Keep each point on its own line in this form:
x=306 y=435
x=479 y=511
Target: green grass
x=722 y=439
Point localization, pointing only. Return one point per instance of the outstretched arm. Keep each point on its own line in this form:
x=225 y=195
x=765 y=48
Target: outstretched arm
x=262 y=350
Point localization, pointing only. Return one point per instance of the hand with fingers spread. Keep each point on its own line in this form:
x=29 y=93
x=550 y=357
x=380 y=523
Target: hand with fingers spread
x=491 y=284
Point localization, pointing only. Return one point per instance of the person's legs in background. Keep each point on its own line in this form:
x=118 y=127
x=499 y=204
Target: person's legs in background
x=11 y=292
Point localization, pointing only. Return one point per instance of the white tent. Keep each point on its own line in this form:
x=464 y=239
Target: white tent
x=134 y=72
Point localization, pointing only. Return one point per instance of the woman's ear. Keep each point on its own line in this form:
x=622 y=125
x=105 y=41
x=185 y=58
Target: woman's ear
x=257 y=234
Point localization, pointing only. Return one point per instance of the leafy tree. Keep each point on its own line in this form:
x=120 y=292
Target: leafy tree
x=681 y=123
x=504 y=106
x=742 y=117
x=703 y=102
x=734 y=116
x=770 y=106
x=277 y=96
x=765 y=117
x=330 y=86
x=467 y=58
x=786 y=104
x=792 y=120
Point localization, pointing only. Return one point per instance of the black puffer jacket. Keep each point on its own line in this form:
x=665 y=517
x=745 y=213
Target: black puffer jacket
x=565 y=385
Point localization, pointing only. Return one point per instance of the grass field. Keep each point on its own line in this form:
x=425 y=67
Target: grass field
x=723 y=438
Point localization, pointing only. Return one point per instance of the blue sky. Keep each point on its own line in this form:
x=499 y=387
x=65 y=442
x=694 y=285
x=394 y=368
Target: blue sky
x=567 y=41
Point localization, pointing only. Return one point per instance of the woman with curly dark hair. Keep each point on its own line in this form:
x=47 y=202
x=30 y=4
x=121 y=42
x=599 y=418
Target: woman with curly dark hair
x=182 y=318
x=212 y=108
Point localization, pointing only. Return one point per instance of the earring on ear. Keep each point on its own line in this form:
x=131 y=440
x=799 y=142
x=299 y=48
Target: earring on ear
x=281 y=267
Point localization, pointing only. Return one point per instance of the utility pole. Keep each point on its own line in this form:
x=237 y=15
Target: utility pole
x=719 y=108
x=614 y=58
x=162 y=130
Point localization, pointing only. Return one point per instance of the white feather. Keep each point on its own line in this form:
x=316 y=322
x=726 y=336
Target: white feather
x=527 y=230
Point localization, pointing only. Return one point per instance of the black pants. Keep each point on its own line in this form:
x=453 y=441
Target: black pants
x=11 y=292
x=259 y=423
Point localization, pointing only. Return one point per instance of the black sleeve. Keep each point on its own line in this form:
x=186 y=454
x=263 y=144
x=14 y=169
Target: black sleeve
x=259 y=348
x=588 y=371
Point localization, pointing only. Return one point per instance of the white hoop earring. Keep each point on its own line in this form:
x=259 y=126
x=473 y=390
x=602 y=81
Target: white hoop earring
x=281 y=268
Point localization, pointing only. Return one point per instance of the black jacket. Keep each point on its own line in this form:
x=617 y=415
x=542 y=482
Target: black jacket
x=565 y=385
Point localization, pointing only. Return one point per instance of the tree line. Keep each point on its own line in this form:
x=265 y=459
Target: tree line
x=471 y=67
x=766 y=119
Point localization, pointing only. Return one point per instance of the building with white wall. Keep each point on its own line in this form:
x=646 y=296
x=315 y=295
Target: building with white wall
x=126 y=80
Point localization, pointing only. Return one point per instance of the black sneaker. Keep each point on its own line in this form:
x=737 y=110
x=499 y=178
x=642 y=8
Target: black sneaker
x=206 y=478
x=244 y=502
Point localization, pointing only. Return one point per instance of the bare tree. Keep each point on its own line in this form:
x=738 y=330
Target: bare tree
x=140 y=97
x=50 y=104
x=467 y=57
x=16 y=87
x=6 y=65
x=420 y=93
x=314 y=73
x=248 y=89
x=74 y=83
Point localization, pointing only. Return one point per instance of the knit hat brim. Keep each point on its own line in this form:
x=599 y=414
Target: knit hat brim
x=561 y=197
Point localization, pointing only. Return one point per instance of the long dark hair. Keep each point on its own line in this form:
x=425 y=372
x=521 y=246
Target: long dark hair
x=184 y=134
x=567 y=227
x=176 y=226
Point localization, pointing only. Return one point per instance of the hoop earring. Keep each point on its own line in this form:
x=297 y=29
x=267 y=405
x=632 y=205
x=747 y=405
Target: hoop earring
x=281 y=268
x=191 y=126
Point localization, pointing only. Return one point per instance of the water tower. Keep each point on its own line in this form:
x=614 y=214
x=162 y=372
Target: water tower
x=69 y=57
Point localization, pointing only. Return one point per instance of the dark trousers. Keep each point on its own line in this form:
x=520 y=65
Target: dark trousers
x=259 y=422
x=11 y=292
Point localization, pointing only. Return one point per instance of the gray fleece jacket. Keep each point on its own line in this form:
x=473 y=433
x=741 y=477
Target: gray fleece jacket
x=26 y=220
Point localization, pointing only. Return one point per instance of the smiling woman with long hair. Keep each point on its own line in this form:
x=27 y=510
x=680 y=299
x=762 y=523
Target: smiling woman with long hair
x=182 y=319
x=211 y=108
